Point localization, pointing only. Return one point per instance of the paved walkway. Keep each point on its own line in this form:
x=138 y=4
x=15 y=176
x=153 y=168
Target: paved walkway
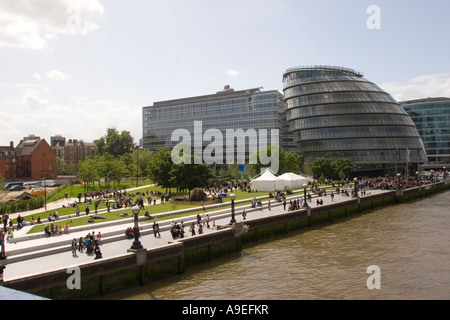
x=118 y=244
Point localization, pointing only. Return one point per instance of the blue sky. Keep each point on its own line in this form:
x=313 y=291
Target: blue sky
x=78 y=67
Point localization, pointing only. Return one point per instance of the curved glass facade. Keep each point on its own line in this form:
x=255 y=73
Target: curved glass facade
x=432 y=119
x=334 y=112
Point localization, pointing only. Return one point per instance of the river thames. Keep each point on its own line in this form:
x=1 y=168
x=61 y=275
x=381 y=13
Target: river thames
x=408 y=245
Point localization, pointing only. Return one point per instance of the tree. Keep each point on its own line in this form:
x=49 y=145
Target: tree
x=87 y=171
x=115 y=143
x=342 y=167
x=322 y=167
x=159 y=168
x=61 y=166
x=287 y=161
x=189 y=175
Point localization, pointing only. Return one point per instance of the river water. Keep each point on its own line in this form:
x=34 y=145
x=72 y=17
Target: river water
x=409 y=243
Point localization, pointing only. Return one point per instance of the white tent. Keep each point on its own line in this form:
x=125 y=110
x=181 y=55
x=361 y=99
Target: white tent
x=293 y=180
x=267 y=181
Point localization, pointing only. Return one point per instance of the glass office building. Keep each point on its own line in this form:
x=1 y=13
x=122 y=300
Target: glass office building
x=226 y=109
x=432 y=119
x=334 y=112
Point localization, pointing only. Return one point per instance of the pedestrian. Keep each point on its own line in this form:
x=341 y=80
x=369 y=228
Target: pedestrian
x=284 y=203
x=269 y=206
x=98 y=253
x=192 y=229
x=74 y=247
x=200 y=229
x=157 y=230
x=2 y=244
x=10 y=234
x=81 y=245
x=154 y=229
x=2 y=267
x=199 y=218
x=244 y=215
x=99 y=238
x=87 y=210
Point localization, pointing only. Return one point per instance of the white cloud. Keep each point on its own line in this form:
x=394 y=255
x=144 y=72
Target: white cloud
x=37 y=76
x=31 y=24
x=57 y=75
x=36 y=113
x=426 y=86
x=232 y=73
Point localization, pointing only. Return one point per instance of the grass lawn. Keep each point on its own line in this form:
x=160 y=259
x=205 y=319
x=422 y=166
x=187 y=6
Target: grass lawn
x=114 y=213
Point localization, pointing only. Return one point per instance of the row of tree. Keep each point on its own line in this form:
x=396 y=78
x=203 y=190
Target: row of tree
x=326 y=168
x=117 y=157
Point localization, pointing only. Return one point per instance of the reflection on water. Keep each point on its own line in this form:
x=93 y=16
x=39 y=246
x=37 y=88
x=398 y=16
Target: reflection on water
x=409 y=242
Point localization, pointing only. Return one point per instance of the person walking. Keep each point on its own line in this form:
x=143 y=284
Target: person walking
x=244 y=215
x=156 y=229
x=74 y=248
x=192 y=229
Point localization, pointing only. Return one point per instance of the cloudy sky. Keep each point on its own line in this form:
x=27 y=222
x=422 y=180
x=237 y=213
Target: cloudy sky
x=78 y=67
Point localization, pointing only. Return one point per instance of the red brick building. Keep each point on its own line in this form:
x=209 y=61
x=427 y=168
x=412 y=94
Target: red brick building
x=32 y=159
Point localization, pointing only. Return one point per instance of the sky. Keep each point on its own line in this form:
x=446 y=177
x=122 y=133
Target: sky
x=78 y=67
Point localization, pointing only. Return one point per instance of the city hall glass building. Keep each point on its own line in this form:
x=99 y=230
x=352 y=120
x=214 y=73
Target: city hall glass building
x=226 y=109
x=432 y=119
x=334 y=112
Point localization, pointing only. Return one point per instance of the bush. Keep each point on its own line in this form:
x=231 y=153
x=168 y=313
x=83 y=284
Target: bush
x=198 y=194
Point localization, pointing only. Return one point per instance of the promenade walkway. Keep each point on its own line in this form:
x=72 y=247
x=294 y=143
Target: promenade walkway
x=46 y=254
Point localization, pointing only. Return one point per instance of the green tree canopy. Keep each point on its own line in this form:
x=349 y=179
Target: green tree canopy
x=159 y=168
x=115 y=143
x=288 y=161
x=342 y=167
x=322 y=167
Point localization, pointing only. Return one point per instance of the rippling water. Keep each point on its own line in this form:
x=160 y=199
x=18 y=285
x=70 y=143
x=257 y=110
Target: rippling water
x=409 y=242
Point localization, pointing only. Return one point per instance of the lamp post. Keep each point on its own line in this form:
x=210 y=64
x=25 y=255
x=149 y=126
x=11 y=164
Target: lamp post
x=136 y=243
x=398 y=181
x=305 y=185
x=356 y=186
x=232 y=197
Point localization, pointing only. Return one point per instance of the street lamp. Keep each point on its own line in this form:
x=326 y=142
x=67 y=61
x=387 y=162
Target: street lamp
x=356 y=186
x=136 y=243
x=232 y=197
x=398 y=181
x=305 y=185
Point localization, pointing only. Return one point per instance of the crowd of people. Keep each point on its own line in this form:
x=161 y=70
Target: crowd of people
x=91 y=243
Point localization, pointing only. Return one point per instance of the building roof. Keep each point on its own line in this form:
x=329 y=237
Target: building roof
x=26 y=147
x=220 y=94
x=424 y=100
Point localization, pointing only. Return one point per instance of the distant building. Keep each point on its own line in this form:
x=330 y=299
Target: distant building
x=432 y=119
x=32 y=159
x=8 y=162
x=334 y=113
x=72 y=151
x=226 y=109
